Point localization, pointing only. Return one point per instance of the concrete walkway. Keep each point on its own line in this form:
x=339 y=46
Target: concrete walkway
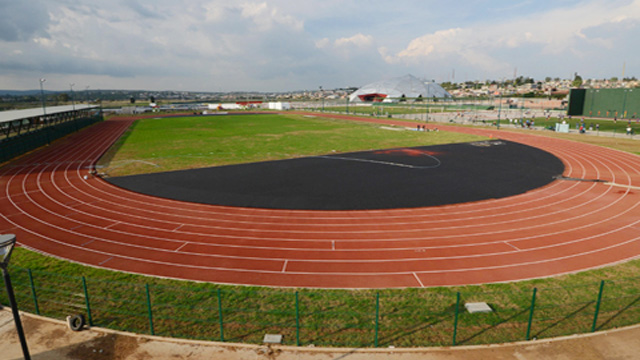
x=52 y=339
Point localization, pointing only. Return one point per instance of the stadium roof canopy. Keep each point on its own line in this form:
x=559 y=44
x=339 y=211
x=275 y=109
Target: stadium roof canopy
x=395 y=89
x=12 y=115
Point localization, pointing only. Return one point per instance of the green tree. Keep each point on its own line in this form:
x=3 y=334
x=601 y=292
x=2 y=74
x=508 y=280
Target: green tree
x=63 y=97
x=577 y=81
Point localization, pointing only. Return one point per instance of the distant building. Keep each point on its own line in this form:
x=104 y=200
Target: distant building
x=398 y=89
x=279 y=105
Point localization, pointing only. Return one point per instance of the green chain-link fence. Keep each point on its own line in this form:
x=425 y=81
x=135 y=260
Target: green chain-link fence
x=356 y=318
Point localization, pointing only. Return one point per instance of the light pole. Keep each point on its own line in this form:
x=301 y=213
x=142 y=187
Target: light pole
x=499 y=107
x=7 y=242
x=44 y=109
x=72 y=101
x=322 y=96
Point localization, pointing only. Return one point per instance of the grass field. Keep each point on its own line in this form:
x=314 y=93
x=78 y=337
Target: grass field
x=619 y=127
x=166 y=144
x=355 y=318
x=564 y=305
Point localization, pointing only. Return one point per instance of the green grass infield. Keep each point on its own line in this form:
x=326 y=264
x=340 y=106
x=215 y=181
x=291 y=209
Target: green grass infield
x=172 y=143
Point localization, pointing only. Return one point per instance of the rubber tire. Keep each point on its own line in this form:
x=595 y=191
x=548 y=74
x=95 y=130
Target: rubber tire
x=75 y=322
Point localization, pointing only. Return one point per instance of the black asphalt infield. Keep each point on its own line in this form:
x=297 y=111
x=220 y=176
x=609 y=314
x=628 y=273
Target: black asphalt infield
x=367 y=180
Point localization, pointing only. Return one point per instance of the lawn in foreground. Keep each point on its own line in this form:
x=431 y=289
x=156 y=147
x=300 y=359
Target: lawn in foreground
x=563 y=305
x=165 y=144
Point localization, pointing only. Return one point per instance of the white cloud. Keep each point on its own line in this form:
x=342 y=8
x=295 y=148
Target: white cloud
x=277 y=44
x=45 y=42
x=348 y=47
x=265 y=17
x=557 y=32
x=323 y=43
x=357 y=40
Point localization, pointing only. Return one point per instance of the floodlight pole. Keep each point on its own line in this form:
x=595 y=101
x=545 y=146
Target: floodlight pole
x=7 y=242
x=73 y=102
x=499 y=108
x=44 y=108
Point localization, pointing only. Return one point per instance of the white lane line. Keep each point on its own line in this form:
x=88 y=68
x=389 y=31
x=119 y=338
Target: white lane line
x=104 y=261
x=513 y=246
x=417 y=278
x=284 y=267
x=181 y=246
x=114 y=224
x=623 y=186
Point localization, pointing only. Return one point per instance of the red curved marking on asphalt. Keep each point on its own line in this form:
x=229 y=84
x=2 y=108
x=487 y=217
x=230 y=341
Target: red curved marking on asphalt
x=563 y=227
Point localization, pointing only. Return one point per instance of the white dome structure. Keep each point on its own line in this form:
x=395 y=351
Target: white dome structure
x=395 y=89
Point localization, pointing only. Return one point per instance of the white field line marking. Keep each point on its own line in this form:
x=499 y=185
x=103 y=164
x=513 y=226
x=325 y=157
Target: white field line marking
x=104 y=261
x=88 y=242
x=513 y=246
x=181 y=246
x=114 y=224
x=385 y=162
x=417 y=278
x=623 y=186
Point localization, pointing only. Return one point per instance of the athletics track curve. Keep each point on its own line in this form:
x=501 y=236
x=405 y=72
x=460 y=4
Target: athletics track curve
x=563 y=227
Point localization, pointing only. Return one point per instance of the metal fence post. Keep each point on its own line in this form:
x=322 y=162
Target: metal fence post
x=455 y=321
x=86 y=300
x=375 y=342
x=146 y=286
x=533 y=305
x=220 y=316
x=297 y=320
x=33 y=292
x=595 y=315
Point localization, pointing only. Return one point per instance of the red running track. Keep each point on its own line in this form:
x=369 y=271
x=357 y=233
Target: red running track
x=564 y=227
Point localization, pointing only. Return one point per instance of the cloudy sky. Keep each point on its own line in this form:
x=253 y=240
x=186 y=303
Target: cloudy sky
x=280 y=45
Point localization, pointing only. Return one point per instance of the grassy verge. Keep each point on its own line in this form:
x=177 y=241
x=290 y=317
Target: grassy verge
x=563 y=305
